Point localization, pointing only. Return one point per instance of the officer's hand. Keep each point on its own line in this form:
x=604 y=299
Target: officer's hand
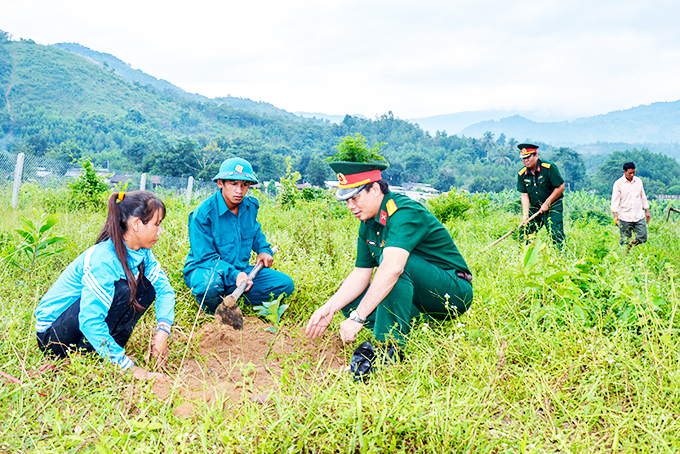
x=545 y=207
x=265 y=258
x=243 y=277
x=318 y=322
x=349 y=329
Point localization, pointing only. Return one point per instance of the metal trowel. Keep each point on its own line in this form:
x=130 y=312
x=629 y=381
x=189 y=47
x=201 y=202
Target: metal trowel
x=228 y=312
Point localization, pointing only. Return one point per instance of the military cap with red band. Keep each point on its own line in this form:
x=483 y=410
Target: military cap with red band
x=353 y=176
x=526 y=149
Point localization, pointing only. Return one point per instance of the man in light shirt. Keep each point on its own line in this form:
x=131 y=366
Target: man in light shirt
x=628 y=202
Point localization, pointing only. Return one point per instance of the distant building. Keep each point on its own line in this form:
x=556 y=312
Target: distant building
x=415 y=191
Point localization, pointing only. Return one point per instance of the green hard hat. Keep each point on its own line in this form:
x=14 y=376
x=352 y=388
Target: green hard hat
x=236 y=169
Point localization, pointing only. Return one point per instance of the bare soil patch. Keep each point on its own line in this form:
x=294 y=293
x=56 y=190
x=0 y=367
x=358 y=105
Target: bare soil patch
x=232 y=365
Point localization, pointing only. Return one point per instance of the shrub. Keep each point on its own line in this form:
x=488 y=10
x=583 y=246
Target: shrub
x=89 y=190
x=354 y=149
x=289 y=193
x=451 y=205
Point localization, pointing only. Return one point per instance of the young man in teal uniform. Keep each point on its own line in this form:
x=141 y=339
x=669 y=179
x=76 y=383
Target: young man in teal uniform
x=419 y=268
x=541 y=185
x=223 y=231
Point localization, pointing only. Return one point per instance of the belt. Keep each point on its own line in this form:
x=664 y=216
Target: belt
x=464 y=276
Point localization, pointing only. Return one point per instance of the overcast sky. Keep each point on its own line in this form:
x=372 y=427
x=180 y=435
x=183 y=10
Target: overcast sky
x=421 y=58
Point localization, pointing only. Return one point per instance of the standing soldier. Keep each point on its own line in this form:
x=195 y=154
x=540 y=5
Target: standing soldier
x=541 y=186
x=420 y=271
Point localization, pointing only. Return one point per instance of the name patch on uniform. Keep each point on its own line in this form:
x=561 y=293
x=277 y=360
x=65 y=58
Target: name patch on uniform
x=383 y=217
x=391 y=207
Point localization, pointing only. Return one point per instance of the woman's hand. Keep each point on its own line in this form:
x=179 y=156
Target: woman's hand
x=159 y=347
x=143 y=374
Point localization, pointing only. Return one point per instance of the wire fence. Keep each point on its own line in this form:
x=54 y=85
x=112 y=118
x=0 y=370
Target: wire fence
x=17 y=170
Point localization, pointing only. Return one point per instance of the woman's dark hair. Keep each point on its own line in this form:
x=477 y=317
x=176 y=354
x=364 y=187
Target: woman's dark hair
x=384 y=186
x=140 y=204
x=628 y=166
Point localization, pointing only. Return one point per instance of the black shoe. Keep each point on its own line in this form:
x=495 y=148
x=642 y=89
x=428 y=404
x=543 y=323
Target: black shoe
x=365 y=359
x=361 y=364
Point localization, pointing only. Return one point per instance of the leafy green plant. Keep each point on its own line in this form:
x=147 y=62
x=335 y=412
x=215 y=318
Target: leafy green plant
x=272 y=311
x=451 y=205
x=354 y=149
x=35 y=244
x=289 y=193
x=89 y=189
x=310 y=194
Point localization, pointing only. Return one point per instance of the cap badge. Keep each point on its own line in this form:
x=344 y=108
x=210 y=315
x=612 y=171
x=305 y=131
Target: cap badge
x=239 y=168
x=342 y=179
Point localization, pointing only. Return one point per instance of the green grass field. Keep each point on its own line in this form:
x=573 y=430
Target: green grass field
x=561 y=352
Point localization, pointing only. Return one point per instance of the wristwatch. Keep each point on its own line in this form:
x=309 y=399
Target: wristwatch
x=354 y=315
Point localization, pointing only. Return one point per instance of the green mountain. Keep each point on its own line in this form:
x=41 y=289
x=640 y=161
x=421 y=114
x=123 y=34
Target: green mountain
x=655 y=123
x=137 y=76
x=64 y=105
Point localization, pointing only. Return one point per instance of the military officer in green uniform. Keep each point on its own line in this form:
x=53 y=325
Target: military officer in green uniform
x=419 y=268
x=541 y=186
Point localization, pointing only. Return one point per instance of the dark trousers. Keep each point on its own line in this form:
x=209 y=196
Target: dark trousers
x=627 y=228
x=421 y=290
x=552 y=219
x=65 y=334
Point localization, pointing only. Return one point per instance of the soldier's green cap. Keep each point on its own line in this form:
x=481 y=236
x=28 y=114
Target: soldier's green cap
x=525 y=149
x=353 y=176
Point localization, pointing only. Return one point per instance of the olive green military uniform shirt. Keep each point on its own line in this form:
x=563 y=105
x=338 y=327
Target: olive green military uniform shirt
x=540 y=184
x=406 y=224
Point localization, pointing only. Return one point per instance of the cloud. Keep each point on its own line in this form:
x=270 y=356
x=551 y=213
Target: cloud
x=573 y=57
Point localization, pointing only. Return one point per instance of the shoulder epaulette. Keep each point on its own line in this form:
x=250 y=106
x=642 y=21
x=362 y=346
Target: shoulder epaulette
x=523 y=171
x=546 y=165
x=391 y=207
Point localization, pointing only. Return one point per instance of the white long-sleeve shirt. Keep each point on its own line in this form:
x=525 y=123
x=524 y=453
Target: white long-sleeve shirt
x=629 y=199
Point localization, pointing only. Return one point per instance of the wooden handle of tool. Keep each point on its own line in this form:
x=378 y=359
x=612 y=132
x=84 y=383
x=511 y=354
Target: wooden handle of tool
x=256 y=269
x=510 y=232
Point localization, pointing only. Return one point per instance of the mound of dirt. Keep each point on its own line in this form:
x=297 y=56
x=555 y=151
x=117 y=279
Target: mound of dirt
x=232 y=365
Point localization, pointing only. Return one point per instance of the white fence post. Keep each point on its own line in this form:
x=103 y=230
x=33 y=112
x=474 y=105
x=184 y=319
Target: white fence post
x=142 y=183
x=18 y=171
x=190 y=189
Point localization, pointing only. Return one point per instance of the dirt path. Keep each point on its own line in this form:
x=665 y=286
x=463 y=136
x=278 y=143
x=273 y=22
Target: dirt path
x=234 y=365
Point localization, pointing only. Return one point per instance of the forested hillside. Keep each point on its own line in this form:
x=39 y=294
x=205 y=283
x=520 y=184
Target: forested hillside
x=655 y=123
x=67 y=106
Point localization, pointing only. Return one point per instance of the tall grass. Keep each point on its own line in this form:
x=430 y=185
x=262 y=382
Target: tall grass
x=573 y=351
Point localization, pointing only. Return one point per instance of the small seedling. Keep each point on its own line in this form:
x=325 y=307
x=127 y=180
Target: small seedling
x=35 y=243
x=272 y=311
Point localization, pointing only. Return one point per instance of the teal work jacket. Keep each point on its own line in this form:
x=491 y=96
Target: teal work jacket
x=222 y=241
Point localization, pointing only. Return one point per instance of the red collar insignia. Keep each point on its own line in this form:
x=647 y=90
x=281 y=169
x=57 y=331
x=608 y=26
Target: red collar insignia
x=383 y=217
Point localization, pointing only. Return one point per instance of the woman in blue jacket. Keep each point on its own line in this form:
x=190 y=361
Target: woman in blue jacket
x=99 y=298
